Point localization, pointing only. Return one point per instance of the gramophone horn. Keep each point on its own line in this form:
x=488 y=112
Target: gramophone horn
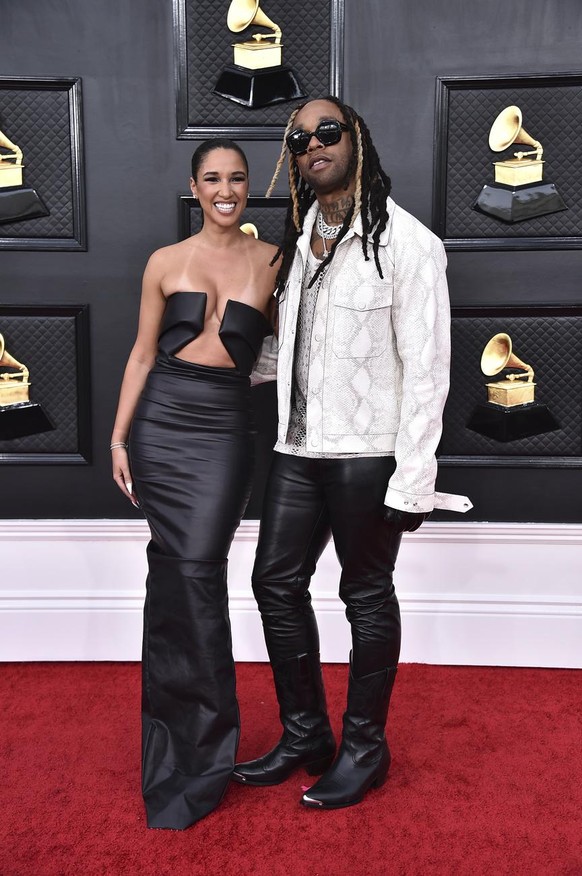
x=507 y=129
x=498 y=355
x=251 y=229
x=242 y=13
x=10 y=361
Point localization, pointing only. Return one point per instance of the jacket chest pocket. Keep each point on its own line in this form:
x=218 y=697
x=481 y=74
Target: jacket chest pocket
x=362 y=322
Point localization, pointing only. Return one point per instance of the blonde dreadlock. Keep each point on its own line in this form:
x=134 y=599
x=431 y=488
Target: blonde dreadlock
x=281 y=158
x=359 y=164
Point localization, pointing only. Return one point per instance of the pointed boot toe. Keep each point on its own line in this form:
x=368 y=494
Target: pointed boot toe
x=277 y=765
x=347 y=781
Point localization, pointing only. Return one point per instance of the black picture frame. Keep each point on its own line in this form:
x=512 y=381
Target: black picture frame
x=465 y=110
x=201 y=114
x=550 y=339
x=44 y=117
x=59 y=333
x=268 y=214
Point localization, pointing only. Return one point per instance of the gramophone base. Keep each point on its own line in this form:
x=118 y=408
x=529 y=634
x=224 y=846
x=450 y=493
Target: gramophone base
x=510 y=424
x=19 y=203
x=518 y=203
x=258 y=88
x=20 y=420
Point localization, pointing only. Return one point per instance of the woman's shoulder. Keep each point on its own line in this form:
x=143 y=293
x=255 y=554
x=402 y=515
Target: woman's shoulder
x=263 y=250
x=270 y=247
x=173 y=250
x=167 y=256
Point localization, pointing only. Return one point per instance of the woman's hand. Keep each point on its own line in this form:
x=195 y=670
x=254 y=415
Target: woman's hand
x=122 y=473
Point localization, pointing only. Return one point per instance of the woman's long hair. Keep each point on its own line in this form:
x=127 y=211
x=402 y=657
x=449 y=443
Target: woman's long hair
x=372 y=188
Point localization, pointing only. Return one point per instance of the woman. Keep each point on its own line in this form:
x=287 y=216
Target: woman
x=185 y=397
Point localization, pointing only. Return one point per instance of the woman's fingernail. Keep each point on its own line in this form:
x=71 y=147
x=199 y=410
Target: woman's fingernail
x=129 y=486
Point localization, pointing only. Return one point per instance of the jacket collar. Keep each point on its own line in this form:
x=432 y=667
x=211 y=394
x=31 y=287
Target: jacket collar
x=304 y=240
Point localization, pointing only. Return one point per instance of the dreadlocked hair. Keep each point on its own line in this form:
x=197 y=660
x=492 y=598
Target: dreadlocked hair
x=371 y=190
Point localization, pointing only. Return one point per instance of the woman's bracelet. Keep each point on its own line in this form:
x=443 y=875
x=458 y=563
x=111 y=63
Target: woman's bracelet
x=118 y=444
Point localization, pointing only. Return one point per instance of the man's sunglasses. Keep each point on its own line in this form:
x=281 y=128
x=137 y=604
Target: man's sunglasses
x=328 y=132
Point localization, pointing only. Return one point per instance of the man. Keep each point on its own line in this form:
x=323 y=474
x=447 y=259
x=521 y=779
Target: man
x=362 y=379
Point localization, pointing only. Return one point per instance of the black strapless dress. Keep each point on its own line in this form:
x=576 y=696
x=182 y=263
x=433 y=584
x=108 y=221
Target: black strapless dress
x=191 y=452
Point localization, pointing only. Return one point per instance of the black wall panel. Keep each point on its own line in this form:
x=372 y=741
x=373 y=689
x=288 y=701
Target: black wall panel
x=135 y=168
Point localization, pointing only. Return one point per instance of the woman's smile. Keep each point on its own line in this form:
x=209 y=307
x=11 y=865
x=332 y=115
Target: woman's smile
x=225 y=207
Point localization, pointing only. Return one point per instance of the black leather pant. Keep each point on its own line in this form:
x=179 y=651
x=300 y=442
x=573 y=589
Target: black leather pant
x=306 y=502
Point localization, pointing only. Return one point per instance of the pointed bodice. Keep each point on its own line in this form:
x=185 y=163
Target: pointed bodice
x=242 y=330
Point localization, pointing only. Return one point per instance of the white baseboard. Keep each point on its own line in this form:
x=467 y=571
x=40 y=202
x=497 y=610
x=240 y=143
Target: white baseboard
x=470 y=593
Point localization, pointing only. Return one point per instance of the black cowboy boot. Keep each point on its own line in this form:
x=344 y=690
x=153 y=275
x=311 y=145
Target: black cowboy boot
x=364 y=757
x=307 y=740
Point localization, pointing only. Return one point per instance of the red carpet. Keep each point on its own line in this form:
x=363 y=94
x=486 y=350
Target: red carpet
x=486 y=779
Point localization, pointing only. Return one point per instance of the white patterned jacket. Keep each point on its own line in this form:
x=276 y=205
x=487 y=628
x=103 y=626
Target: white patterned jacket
x=385 y=365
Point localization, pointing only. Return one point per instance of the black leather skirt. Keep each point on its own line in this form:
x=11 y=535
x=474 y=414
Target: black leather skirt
x=191 y=454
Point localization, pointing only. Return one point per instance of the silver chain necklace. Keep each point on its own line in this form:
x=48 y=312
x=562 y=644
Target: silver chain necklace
x=325 y=231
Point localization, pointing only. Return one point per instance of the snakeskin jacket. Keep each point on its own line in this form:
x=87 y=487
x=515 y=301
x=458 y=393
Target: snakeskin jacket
x=381 y=378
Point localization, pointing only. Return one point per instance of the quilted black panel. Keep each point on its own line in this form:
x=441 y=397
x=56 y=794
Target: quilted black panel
x=306 y=49
x=550 y=114
x=552 y=345
x=38 y=121
x=270 y=221
x=47 y=346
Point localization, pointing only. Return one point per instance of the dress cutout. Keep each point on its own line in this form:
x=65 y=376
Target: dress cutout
x=242 y=330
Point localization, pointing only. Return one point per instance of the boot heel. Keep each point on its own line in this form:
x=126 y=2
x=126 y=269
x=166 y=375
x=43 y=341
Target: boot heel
x=382 y=775
x=317 y=767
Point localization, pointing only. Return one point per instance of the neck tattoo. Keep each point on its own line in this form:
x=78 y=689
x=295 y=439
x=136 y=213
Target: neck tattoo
x=336 y=211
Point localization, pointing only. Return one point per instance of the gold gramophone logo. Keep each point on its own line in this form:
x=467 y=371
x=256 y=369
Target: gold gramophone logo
x=17 y=201
x=19 y=416
x=258 y=52
x=514 y=389
x=257 y=77
x=511 y=411
x=519 y=191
